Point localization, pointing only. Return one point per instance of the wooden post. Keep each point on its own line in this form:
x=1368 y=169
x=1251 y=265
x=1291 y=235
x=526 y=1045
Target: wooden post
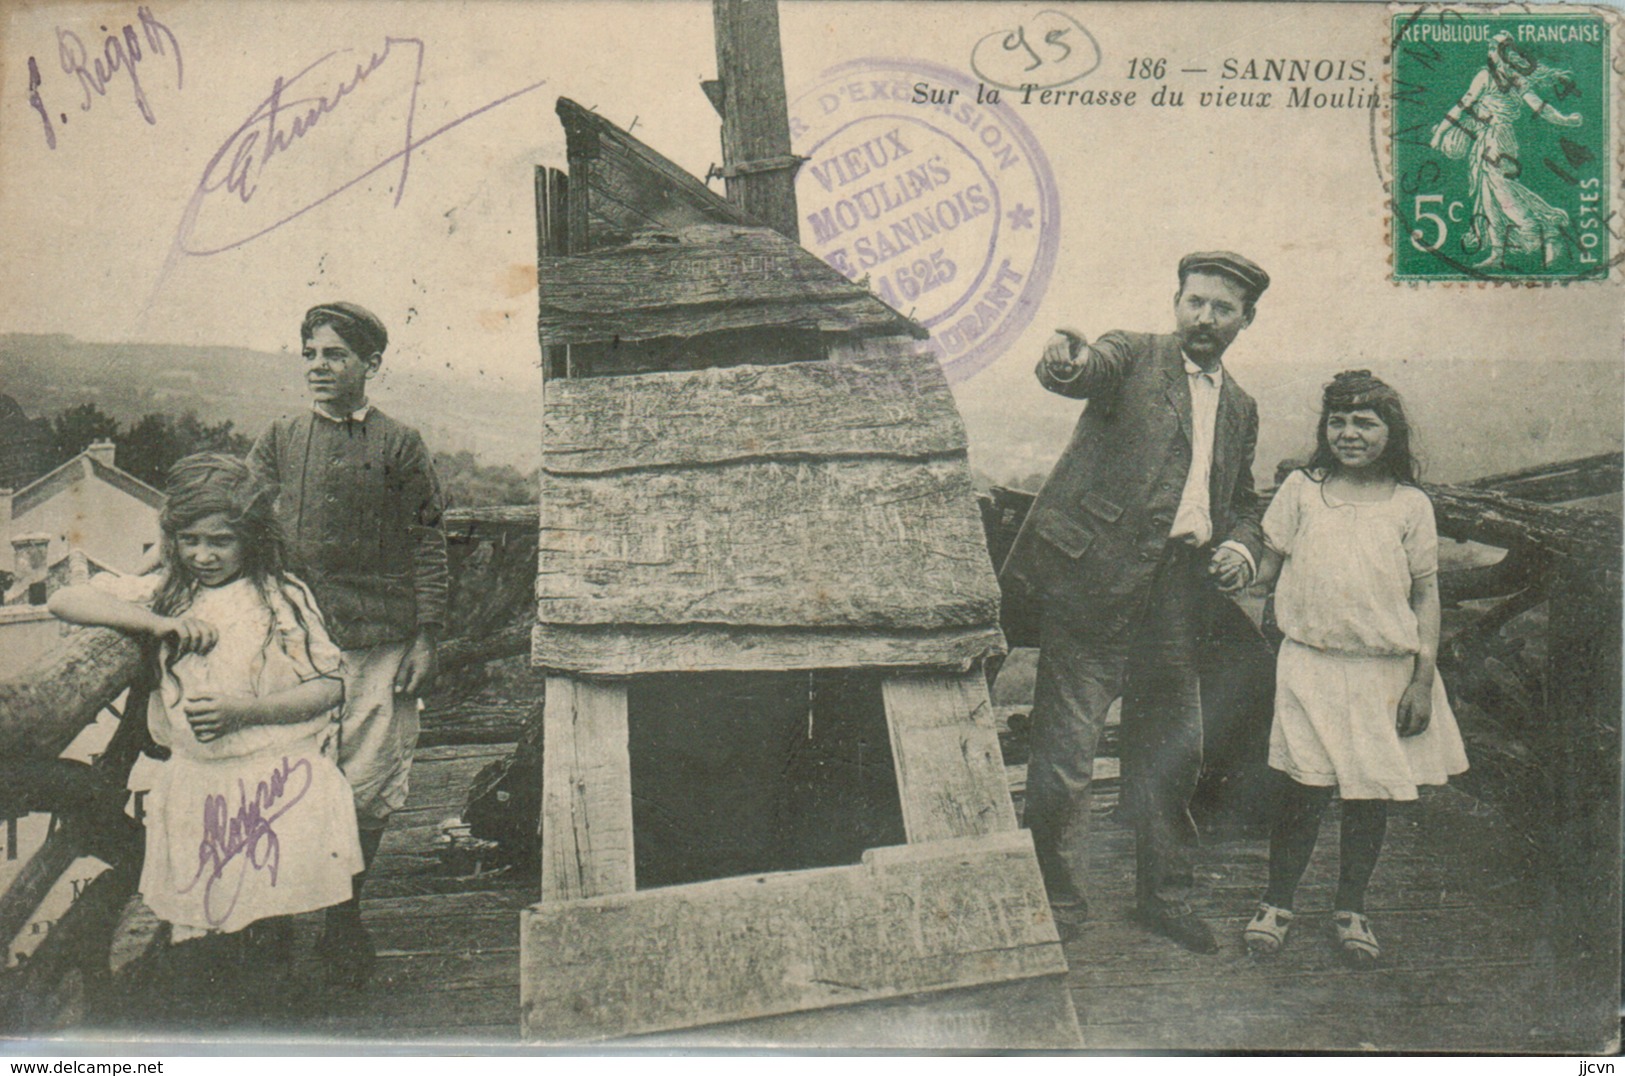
x=757 y=164
x=950 y=773
x=586 y=791
x=552 y=241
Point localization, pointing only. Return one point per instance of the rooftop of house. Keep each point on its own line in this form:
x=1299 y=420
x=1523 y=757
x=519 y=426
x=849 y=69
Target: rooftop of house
x=96 y=461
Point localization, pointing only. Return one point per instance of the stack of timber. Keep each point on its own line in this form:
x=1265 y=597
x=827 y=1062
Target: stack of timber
x=773 y=805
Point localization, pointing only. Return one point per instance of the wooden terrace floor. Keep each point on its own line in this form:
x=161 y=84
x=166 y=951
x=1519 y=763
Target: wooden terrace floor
x=1468 y=963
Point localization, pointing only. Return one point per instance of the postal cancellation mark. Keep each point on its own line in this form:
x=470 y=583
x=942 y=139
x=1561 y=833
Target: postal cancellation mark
x=1501 y=143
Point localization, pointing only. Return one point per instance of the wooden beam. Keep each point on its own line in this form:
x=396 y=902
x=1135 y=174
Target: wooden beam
x=33 y=883
x=950 y=772
x=586 y=791
x=895 y=407
x=1462 y=512
x=1496 y=519
x=760 y=171
x=1554 y=483
x=480 y=522
x=634 y=650
x=907 y=920
x=44 y=706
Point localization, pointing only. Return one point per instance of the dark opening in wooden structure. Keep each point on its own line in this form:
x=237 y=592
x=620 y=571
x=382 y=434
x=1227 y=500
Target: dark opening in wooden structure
x=749 y=773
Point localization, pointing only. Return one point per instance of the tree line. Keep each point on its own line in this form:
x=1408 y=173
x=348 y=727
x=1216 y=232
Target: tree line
x=149 y=446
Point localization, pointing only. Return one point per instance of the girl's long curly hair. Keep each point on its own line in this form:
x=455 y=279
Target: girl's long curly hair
x=211 y=483
x=207 y=484
x=1357 y=390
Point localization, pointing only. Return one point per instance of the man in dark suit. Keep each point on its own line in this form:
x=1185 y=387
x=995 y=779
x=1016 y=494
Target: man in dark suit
x=1148 y=512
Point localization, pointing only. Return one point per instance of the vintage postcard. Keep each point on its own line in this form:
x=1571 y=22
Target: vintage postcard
x=870 y=524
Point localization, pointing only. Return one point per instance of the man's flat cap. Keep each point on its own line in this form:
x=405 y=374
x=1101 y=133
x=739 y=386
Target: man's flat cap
x=358 y=326
x=1234 y=266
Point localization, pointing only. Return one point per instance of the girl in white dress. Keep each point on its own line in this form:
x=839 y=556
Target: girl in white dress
x=250 y=818
x=1359 y=706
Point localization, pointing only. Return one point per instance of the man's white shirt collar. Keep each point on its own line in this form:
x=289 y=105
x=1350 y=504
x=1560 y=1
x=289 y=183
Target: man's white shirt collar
x=1214 y=376
x=358 y=415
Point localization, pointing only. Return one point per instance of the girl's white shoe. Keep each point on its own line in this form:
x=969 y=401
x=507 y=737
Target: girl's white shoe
x=1267 y=932
x=1354 y=937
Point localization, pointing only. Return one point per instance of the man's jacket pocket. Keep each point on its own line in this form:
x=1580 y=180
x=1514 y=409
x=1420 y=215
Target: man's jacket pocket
x=1064 y=534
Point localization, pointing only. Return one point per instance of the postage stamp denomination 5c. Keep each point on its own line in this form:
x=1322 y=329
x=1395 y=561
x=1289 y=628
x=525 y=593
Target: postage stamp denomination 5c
x=1501 y=139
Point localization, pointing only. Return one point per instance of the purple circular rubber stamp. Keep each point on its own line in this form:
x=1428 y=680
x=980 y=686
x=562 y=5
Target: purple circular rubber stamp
x=943 y=204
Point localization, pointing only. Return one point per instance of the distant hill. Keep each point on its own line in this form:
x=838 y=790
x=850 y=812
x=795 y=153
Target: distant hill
x=1472 y=418
x=496 y=419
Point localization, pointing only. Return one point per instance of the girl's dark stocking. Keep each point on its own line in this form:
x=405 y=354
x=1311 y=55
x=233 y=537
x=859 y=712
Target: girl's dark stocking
x=1292 y=838
x=1365 y=823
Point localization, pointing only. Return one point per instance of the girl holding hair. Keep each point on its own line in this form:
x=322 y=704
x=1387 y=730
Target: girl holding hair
x=249 y=819
x=1359 y=706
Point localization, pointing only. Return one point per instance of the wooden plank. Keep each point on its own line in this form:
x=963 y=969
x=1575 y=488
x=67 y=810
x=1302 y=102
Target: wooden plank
x=950 y=773
x=637 y=650
x=1553 y=483
x=482 y=521
x=702 y=279
x=582 y=154
x=906 y=920
x=845 y=543
x=1028 y=1014
x=586 y=791
x=895 y=407
x=760 y=171
x=552 y=241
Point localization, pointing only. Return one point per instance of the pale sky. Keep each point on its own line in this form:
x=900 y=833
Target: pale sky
x=92 y=224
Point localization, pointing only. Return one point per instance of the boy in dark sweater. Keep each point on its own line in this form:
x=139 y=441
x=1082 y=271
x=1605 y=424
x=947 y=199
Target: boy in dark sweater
x=360 y=507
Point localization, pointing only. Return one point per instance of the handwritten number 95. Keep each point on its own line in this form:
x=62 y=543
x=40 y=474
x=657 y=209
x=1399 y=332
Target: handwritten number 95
x=1052 y=38
x=1049 y=49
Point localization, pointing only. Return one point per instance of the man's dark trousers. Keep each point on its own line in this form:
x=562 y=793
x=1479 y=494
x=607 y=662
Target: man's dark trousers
x=1152 y=665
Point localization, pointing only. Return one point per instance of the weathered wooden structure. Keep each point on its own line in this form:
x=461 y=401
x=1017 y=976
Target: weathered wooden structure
x=773 y=800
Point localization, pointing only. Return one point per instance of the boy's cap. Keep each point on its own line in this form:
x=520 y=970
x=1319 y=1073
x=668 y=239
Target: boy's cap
x=1234 y=266
x=359 y=326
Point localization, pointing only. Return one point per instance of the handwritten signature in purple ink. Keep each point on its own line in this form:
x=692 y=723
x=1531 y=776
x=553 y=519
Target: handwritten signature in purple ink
x=287 y=116
x=247 y=834
x=119 y=52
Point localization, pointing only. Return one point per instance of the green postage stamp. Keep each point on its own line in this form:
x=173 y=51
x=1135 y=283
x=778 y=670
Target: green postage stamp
x=1501 y=142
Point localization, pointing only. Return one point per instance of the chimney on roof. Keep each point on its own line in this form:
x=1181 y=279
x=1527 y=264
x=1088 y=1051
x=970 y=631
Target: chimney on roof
x=103 y=452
